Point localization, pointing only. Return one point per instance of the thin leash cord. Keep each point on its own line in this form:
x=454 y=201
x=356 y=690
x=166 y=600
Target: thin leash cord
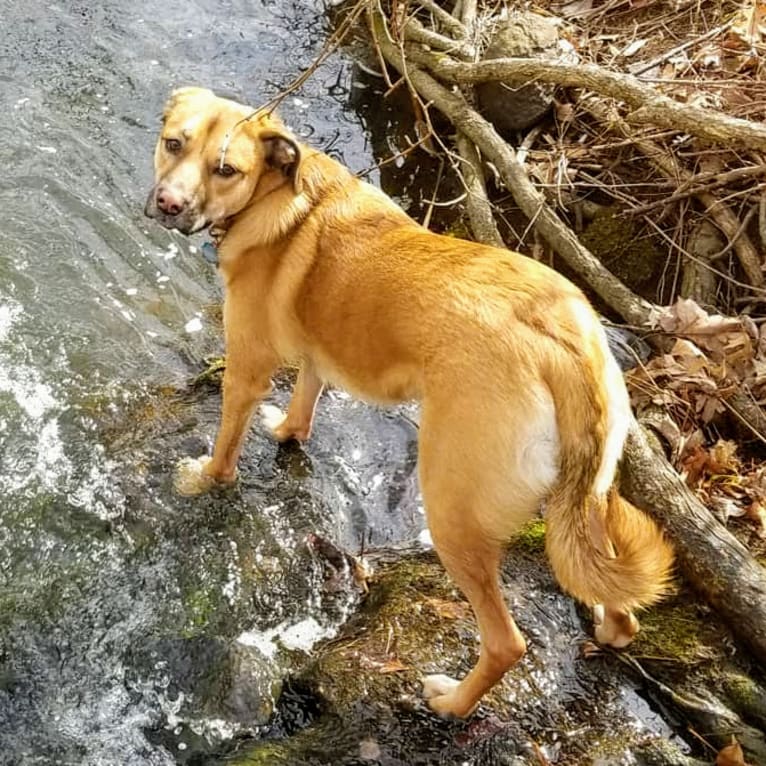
x=227 y=139
x=273 y=103
x=332 y=43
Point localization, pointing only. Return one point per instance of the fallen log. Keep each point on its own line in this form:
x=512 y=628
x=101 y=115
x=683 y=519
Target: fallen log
x=710 y=558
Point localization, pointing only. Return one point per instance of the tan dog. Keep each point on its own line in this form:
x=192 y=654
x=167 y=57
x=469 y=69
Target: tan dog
x=523 y=405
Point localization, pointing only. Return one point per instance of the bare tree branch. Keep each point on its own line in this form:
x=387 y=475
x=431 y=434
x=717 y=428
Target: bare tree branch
x=611 y=290
x=649 y=105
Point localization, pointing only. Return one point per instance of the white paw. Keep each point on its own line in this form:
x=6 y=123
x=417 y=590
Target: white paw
x=189 y=478
x=616 y=629
x=272 y=417
x=438 y=685
x=444 y=698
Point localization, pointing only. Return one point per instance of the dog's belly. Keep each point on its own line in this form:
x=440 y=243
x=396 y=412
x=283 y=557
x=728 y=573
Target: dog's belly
x=375 y=384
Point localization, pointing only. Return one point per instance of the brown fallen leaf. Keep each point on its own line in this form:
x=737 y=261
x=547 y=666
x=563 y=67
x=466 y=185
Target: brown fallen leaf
x=450 y=610
x=393 y=665
x=389 y=665
x=731 y=755
x=724 y=338
x=757 y=513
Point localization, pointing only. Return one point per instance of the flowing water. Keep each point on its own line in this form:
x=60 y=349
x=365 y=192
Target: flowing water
x=137 y=627
x=114 y=593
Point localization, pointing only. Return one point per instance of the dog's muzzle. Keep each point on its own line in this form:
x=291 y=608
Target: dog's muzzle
x=173 y=213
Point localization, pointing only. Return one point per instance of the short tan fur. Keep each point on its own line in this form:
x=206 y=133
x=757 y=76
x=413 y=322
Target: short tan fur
x=523 y=406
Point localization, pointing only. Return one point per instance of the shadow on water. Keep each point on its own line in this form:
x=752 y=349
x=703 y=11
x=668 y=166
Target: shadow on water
x=137 y=627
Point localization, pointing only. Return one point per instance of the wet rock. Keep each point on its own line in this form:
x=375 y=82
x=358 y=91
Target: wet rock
x=513 y=106
x=556 y=704
x=224 y=680
x=627 y=348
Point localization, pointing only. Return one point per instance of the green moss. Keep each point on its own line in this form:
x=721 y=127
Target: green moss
x=212 y=374
x=414 y=621
x=199 y=606
x=615 y=240
x=746 y=697
x=264 y=754
x=674 y=630
x=531 y=537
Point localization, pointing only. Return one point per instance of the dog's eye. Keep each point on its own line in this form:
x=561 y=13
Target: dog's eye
x=173 y=145
x=225 y=170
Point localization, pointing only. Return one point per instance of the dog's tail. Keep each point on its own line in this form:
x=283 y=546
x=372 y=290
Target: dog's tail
x=602 y=549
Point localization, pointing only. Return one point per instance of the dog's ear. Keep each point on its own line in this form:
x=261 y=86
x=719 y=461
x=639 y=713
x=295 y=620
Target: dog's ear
x=283 y=153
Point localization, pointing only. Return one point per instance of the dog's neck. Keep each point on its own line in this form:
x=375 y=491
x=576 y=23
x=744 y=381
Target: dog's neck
x=276 y=210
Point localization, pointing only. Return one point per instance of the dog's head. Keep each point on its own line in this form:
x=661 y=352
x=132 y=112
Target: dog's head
x=214 y=157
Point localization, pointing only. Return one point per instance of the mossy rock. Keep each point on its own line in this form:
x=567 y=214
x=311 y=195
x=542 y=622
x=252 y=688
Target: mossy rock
x=414 y=621
x=617 y=242
x=675 y=629
x=531 y=537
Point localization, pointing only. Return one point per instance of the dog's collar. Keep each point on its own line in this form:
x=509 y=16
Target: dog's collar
x=210 y=249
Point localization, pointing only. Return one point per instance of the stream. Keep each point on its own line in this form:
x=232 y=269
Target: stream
x=141 y=628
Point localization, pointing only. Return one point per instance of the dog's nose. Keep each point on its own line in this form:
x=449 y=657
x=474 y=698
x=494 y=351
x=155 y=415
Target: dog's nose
x=169 y=203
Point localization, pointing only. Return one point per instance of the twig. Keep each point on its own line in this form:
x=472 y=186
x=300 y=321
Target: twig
x=700 y=183
x=721 y=214
x=737 y=234
x=477 y=203
x=679 y=49
x=414 y=31
x=447 y=20
x=432 y=201
x=633 y=308
x=468 y=13
x=483 y=225
x=411 y=148
x=526 y=144
x=331 y=45
x=705 y=265
x=649 y=105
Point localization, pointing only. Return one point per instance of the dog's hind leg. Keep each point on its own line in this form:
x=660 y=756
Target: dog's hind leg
x=300 y=414
x=473 y=563
x=473 y=504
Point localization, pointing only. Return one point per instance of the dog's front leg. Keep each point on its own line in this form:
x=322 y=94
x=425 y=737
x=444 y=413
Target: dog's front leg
x=246 y=381
x=300 y=414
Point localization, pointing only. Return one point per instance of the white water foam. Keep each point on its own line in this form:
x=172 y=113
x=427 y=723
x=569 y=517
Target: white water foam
x=37 y=421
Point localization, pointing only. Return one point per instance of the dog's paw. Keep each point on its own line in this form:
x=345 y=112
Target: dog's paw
x=190 y=478
x=616 y=628
x=272 y=417
x=441 y=693
x=276 y=421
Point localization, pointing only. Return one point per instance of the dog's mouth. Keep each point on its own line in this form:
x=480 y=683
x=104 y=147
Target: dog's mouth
x=188 y=221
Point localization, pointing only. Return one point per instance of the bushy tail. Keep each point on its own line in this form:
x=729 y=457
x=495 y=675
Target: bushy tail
x=603 y=550
x=606 y=551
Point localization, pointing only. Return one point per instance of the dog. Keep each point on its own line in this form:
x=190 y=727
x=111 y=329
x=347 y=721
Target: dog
x=522 y=404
